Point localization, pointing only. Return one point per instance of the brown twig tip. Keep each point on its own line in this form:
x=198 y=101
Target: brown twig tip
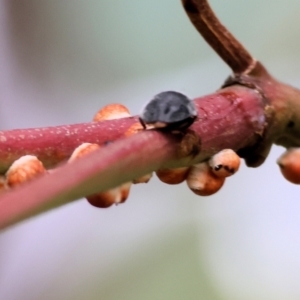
x=218 y=37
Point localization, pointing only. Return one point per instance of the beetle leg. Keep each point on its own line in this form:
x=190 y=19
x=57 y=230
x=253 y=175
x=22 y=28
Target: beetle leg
x=143 y=123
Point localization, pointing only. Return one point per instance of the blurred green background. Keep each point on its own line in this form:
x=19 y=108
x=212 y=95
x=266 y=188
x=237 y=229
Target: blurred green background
x=63 y=60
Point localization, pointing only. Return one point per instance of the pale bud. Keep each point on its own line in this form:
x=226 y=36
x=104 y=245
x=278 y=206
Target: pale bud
x=202 y=181
x=106 y=199
x=224 y=163
x=111 y=112
x=143 y=179
x=82 y=150
x=289 y=163
x=173 y=176
x=24 y=169
x=103 y=199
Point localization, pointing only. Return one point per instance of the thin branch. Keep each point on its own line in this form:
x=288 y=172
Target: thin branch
x=231 y=118
x=246 y=119
x=218 y=37
x=53 y=145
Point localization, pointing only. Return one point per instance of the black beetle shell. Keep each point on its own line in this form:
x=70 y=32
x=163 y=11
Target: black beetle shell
x=169 y=109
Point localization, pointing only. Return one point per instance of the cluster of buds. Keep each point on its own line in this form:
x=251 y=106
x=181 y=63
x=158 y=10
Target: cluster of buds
x=289 y=163
x=118 y=194
x=29 y=167
x=205 y=178
x=102 y=199
x=118 y=111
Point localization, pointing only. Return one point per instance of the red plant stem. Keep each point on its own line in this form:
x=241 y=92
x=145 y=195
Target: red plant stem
x=231 y=118
x=53 y=145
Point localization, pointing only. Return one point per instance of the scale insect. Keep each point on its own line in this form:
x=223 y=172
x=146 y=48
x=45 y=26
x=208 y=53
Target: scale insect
x=169 y=110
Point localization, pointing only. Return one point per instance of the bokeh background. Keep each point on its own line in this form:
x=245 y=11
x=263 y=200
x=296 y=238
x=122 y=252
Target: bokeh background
x=60 y=61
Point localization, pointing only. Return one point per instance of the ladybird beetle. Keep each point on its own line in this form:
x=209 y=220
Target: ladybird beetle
x=169 y=110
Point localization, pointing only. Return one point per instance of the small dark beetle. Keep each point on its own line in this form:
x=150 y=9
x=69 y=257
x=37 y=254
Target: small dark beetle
x=170 y=110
